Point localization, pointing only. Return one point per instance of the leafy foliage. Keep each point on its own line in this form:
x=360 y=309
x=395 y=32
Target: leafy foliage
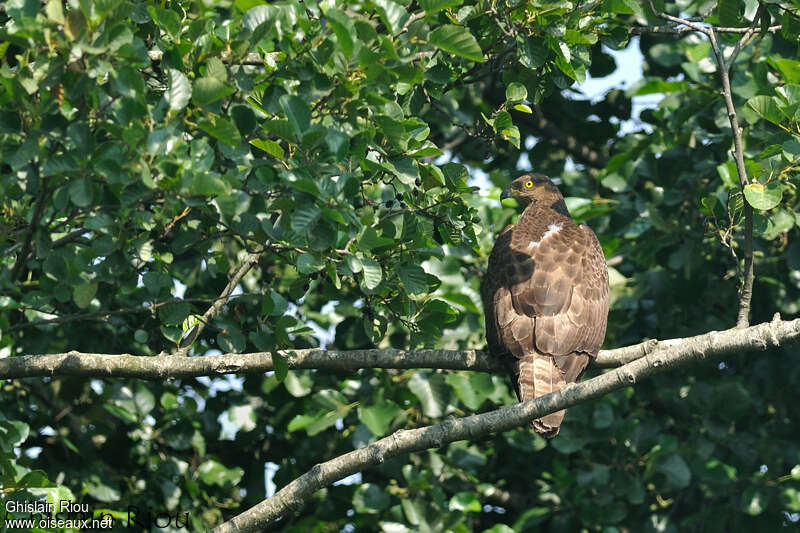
x=148 y=148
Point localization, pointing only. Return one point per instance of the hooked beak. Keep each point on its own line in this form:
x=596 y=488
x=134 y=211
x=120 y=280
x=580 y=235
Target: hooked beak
x=506 y=194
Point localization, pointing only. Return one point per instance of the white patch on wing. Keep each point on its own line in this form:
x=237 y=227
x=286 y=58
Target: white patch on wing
x=552 y=228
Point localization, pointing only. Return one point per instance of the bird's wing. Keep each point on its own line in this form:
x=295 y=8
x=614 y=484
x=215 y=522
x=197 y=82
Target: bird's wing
x=567 y=293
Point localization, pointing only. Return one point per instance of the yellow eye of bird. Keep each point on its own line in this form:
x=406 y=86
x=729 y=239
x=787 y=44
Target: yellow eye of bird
x=528 y=184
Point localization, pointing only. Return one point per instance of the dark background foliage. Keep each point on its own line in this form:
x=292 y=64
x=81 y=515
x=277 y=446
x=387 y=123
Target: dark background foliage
x=148 y=147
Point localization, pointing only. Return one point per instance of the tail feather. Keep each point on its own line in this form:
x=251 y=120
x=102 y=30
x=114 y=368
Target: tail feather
x=538 y=375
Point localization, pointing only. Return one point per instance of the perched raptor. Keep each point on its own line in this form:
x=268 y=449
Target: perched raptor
x=545 y=295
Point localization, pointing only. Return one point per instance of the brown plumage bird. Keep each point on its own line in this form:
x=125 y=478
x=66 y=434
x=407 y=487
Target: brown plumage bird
x=545 y=295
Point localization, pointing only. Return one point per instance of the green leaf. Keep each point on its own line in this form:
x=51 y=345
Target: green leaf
x=676 y=470
x=55 y=11
x=572 y=36
x=245 y=118
x=656 y=86
x=83 y=293
x=212 y=472
x=766 y=107
x=456 y=40
x=232 y=340
x=298 y=383
x=354 y=264
x=208 y=90
x=99 y=222
x=258 y=15
x=729 y=12
x=327 y=420
x=299 y=422
x=432 y=392
x=596 y=475
x=305 y=218
x=281 y=128
x=516 y=92
x=278 y=304
x=790 y=498
x=433 y=6
x=75 y=25
x=394 y=131
x=179 y=91
x=297 y=111
x=392 y=14
x=406 y=170
x=221 y=129
x=100 y=489
x=271 y=147
x=144 y=400
x=764 y=197
x=343 y=27
x=499 y=528
x=502 y=121
x=280 y=366
x=531 y=51
x=472 y=388
x=465 y=501
x=379 y=417
x=80 y=192
x=603 y=416
x=330 y=268
x=166 y=19
x=769 y=151
x=370 y=498
x=207 y=184
x=309 y=264
x=174 y=313
x=530 y=518
x=754 y=501
x=373 y=274
x=413 y=278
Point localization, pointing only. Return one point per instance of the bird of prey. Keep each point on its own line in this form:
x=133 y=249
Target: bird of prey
x=545 y=295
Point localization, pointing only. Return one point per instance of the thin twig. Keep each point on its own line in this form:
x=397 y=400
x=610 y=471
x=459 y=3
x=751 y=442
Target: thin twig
x=236 y=276
x=102 y=315
x=746 y=291
x=724 y=67
x=639 y=30
x=16 y=270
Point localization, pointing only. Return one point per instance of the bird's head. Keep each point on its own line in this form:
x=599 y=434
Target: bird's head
x=533 y=188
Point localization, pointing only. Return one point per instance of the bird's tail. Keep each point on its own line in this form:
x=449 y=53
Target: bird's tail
x=538 y=375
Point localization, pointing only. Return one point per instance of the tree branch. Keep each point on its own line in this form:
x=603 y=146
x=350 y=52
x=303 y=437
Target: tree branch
x=724 y=67
x=16 y=270
x=640 y=30
x=100 y=365
x=236 y=276
x=102 y=315
x=294 y=495
x=746 y=292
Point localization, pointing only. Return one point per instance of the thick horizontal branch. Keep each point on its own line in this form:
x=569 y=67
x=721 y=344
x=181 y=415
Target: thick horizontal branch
x=169 y=366
x=294 y=495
